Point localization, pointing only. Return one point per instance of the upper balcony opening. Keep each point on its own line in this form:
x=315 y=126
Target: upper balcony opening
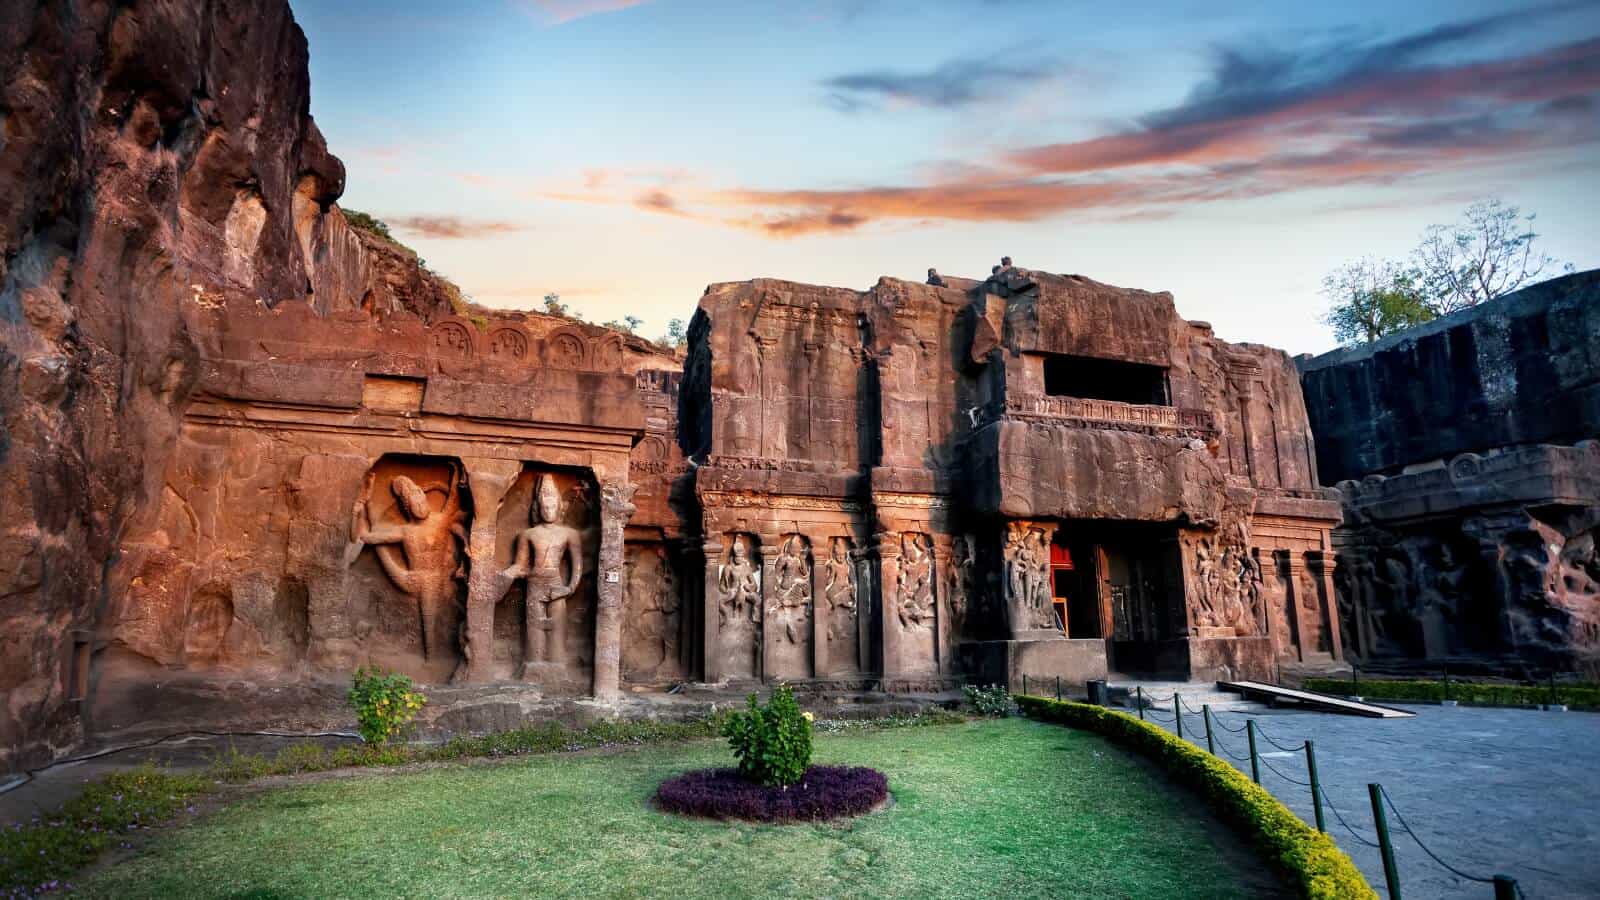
x=1106 y=379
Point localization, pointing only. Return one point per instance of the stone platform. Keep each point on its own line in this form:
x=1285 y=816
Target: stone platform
x=1007 y=662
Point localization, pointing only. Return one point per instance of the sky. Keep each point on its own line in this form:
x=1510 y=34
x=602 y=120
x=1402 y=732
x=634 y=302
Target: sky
x=627 y=153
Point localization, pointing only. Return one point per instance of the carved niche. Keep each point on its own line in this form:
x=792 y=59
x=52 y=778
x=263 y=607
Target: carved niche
x=788 y=621
x=508 y=343
x=607 y=353
x=1028 y=592
x=565 y=348
x=412 y=516
x=914 y=604
x=840 y=607
x=454 y=338
x=960 y=580
x=1225 y=590
x=652 y=626
x=548 y=557
x=739 y=609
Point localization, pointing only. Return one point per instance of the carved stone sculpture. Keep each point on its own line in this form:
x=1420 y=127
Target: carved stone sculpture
x=541 y=553
x=914 y=584
x=839 y=595
x=961 y=582
x=791 y=591
x=652 y=626
x=739 y=611
x=420 y=556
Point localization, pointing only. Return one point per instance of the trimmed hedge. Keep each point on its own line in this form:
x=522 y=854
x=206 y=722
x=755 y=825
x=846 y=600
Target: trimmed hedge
x=1311 y=860
x=1577 y=696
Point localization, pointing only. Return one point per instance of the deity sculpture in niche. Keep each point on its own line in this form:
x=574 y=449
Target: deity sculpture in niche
x=541 y=551
x=791 y=590
x=961 y=582
x=1029 y=604
x=651 y=629
x=420 y=555
x=739 y=610
x=914 y=583
x=839 y=592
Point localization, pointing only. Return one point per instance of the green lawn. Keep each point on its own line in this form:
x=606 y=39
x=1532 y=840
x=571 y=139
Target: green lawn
x=1007 y=808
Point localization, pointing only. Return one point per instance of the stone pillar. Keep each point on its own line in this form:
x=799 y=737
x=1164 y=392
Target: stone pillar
x=1294 y=588
x=821 y=612
x=770 y=546
x=488 y=480
x=886 y=546
x=1025 y=580
x=710 y=598
x=943 y=642
x=616 y=507
x=1322 y=564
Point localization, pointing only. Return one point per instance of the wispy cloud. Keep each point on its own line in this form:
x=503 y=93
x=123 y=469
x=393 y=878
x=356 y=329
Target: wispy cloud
x=451 y=227
x=957 y=83
x=560 y=12
x=1318 y=114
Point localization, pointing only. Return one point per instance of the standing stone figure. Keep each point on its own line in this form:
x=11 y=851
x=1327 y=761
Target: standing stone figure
x=1041 y=593
x=740 y=583
x=540 y=553
x=839 y=591
x=791 y=594
x=425 y=566
x=914 y=594
x=961 y=581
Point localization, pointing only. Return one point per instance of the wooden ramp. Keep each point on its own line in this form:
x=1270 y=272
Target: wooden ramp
x=1272 y=693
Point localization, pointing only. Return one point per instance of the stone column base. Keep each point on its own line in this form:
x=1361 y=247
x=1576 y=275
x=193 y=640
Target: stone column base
x=1005 y=662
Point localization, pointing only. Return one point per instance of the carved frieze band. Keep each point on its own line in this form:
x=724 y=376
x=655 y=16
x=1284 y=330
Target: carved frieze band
x=1107 y=412
x=772 y=501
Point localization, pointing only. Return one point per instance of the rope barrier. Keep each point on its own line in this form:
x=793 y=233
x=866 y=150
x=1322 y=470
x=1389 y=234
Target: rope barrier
x=1339 y=816
x=1263 y=734
x=1229 y=753
x=1223 y=725
x=1274 y=770
x=1452 y=869
x=1192 y=710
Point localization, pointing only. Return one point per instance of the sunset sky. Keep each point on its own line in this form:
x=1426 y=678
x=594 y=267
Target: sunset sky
x=627 y=154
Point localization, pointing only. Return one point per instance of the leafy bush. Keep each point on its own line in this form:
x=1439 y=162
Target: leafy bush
x=772 y=742
x=385 y=704
x=1317 y=866
x=826 y=792
x=35 y=856
x=993 y=700
x=368 y=223
x=1578 y=696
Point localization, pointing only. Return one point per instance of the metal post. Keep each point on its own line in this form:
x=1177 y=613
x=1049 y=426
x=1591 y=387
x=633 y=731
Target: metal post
x=1024 y=683
x=1390 y=873
x=1058 y=688
x=1177 y=713
x=1205 y=713
x=1255 y=764
x=1447 y=682
x=1505 y=888
x=1316 y=786
x=1139 y=692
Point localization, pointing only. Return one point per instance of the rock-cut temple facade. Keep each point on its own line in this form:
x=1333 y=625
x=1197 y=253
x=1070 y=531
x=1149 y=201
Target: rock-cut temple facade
x=896 y=489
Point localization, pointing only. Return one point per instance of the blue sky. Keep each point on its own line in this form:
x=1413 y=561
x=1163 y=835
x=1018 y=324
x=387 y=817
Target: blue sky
x=626 y=154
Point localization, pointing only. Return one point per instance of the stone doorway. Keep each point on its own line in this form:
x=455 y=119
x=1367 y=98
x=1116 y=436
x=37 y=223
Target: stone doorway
x=1121 y=581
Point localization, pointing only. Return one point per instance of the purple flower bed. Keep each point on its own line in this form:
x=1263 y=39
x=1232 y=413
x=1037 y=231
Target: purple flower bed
x=826 y=792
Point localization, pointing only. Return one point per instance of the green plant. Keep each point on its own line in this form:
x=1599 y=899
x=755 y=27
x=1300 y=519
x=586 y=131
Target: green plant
x=1317 y=865
x=772 y=742
x=1581 y=695
x=368 y=223
x=991 y=700
x=384 y=702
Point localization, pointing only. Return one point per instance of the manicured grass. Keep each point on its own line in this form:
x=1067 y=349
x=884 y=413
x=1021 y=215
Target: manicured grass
x=1007 y=808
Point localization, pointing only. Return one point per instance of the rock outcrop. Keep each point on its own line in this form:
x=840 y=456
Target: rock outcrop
x=1466 y=454
x=156 y=158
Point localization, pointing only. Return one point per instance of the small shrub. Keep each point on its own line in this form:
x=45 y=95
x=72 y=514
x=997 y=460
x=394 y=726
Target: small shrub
x=993 y=700
x=772 y=742
x=385 y=704
x=1576 y=695
x=826 y=792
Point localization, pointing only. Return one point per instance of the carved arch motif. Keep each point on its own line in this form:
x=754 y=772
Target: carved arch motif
x=509 y=343
x=608 y=353
x=454 y=337
x=565 y=348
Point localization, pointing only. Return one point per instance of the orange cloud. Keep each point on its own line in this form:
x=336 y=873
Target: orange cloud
x=451 y=227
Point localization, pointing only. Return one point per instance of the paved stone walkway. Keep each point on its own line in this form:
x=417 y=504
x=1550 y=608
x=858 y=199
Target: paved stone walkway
x=1514 y=792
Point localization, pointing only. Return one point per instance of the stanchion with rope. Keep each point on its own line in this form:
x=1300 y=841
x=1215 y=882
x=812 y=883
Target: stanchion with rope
x=1316 y=786
x=1504 y=885
x=1177 y=713
x=1255 y=765
x=1211 y=744
x=1391 y=873
x=1139 y=693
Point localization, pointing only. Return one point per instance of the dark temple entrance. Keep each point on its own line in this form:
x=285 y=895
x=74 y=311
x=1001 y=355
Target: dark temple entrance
x=1123 y=582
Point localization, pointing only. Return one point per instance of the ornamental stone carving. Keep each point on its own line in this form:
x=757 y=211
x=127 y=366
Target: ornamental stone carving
x=549 y=555
x=421 y=552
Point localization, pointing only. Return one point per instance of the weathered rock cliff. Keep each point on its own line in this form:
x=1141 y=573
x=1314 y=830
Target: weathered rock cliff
x=156 y=157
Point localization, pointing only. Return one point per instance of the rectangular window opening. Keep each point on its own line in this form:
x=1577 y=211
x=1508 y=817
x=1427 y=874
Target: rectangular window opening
x=1106 y=379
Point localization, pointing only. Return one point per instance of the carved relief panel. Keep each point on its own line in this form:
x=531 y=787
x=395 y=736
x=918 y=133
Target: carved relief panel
x=840 y=608
x=1028 y=591
x=914 y=608
x=548 y=540
x=652 y=630
x=789 y=610
x=408 y=532
x=738 y=599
